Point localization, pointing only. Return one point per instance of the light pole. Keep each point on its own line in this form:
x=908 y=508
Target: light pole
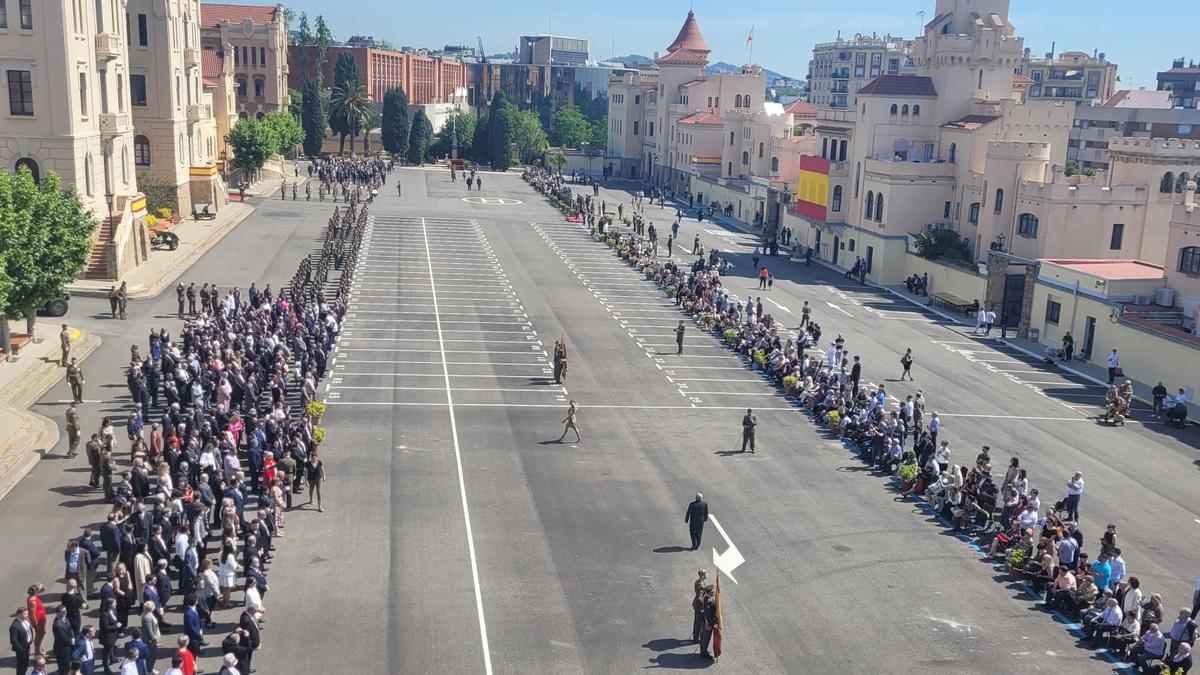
x=108 y=199
x=454 y=134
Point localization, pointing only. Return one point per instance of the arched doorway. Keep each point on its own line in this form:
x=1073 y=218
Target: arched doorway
x=29 y=163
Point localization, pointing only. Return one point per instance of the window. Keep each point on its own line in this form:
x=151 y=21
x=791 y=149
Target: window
x=999 y=206
x=836 y=203
x=637 y=99
x=973 y=213
x=774 y=165
x=731 y=138
x=760 y=150
x=253 y=56
x=120 y=93
x=904 y=111
x=83 y=95
x=869 y=206
x=746 y=100
x=26 y=9
x=141 y=151
x=137 y=89
x=953 y=152
x=729 y=168
x=824 y=148
x=635 y=127
x=4 y=14
x=745 y=158
x=893 y=109
x=737 y=101
x=241 y=86
x=143 y=31
x=1053 y=310
x=20 y=93
x=879 y=208
x=651 y=134
x=1181 y=182
x=1189 y=260
x=916 y=111
x=1167 y=184
x=1118 y=233
x=262 y=56
x=1027 y=225
x=946 y=210
x=27 y=163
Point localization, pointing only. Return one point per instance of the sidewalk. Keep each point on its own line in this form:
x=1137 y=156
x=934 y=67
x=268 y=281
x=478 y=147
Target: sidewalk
x=196 y=237
x=25 y=436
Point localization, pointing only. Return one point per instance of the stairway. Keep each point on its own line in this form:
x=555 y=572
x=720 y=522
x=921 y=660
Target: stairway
x=97 y=267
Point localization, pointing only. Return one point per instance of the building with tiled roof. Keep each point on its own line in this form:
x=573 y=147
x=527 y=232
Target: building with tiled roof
x=255 y=38
x=840 y=68
x=689 y=37
x=900 y=85
x=1071 y=76
x=704 y=119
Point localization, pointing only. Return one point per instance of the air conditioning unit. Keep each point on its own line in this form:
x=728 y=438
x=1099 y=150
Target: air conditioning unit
x=1165 y=297
x=1143 y=300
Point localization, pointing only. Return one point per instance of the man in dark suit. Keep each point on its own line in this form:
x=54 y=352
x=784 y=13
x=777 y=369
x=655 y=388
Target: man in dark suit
x=855 y=375
x=248 y=623
x=84 y=652
x=64 y=639
x=695 y=517
x=110 y=541
x=20 y=636
x=192 y=626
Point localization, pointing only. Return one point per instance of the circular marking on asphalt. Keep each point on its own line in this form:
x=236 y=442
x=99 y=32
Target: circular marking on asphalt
x=492 y=201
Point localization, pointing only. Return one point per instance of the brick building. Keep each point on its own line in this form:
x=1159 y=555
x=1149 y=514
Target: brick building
x=426 y=79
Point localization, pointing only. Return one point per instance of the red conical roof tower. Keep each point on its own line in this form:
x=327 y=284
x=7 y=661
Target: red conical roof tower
x=689 y=37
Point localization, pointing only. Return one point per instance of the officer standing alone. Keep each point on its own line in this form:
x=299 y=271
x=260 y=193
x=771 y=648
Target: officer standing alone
x=748 y=424
x=695 y=516
x=679 y=330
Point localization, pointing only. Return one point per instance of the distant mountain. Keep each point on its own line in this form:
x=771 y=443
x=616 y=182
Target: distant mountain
x=718 y=67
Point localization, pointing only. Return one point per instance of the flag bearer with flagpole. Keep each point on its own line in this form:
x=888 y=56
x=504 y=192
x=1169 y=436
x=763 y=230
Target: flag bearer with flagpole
x=718 y=631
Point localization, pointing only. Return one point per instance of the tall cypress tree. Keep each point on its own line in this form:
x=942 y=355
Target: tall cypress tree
x=312 y=117
x=479 y=142
x=499 y=133
x=395 y=121
x=419 y=138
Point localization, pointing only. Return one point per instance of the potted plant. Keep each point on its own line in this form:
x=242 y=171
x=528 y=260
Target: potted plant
x=790 y=384
x=730 y=335
x=907 y=474
x=671 y=291
x=315 y=410
x=318 y=435
x=1015 y=560
x=760 y=358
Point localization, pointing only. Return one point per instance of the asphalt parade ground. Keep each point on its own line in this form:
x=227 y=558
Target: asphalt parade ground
x=459 y=536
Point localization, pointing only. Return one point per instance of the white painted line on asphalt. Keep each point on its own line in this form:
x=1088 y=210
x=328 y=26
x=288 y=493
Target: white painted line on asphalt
x=721 y=379
x=523 y=391
x=1066 y=384
x=448 y=330
x=839 y=309
x=479 y=375
x=786 y=409
x=732 y=558
x=86 y=400
x=453 y=363
x=448 y=351
x=735 y=393
x=674 y=367
x=462 y=485
x=1018 y=417
x=489 y=341
x=780 y=307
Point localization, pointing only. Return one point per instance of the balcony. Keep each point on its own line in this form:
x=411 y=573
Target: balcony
x=108 y=46
x=191 y=57
x=113 y=124
x=196 y=112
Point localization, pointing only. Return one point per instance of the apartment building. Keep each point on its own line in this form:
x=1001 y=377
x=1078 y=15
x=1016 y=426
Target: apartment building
x=1181 y=81
x=1138 y=113
x=426 y=79
x=840 y=68
x=1071 y=76
x=256 y=37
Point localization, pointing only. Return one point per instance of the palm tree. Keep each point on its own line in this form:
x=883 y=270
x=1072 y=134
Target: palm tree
x=556 y=158
x=352 y=104
x=370 y=122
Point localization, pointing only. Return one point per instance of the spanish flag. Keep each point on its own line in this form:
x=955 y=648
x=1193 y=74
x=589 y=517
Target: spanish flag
x=719 y=629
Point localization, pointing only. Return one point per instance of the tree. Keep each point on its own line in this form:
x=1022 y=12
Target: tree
x=370 y=121
x=499 y=133
x=1073 y=169
x=461 y=125
x=45 y=238
x=350 y=106
x=312 y=119
x=323 y=40
x=296 y=103
x=937 y=244
x=287 y=130
x=344 y=72
x=556 y=158
x=387 y=44
x=395 y=121
x=569 y=128
x=479 y=143
x=528 y=135
x=253 y=142
x=599 y=133
x=419 y=138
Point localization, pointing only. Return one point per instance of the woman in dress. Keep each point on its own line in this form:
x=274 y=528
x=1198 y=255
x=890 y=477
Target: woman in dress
x=227 y=576
x=316 y=476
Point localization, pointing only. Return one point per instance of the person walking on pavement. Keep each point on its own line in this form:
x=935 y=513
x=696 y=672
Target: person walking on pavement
x=93 y=456
x=569 y=423
x=805 y=315
x=762 y=278
x=754 y=257
x=748 y=424
x=560 y=360
x=670 y=244
x=122 y=299
x=112 y=300
x=696 y=245
x=72 y=431
x=1074 y=494
x=679 y=330
x=64 y=344
x=698 y=605
x=906 y=362
x=75 y=379
x=696 y=516
x=1114 y=365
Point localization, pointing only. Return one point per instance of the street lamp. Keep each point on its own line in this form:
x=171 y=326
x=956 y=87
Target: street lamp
x=108 y=199
x=999 y=245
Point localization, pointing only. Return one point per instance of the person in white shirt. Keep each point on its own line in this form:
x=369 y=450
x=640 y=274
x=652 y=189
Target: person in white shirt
x=1074 y=492
x=1114 y=362
x=1028 y=518
x=1132 y=602
x=989 y=320
x=254 y=601
x=1117 y=563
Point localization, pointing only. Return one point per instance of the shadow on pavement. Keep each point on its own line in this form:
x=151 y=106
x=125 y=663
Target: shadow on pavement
x=667 y=549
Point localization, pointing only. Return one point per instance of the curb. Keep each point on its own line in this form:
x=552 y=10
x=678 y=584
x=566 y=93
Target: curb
x=37 y=434
x=202 y=246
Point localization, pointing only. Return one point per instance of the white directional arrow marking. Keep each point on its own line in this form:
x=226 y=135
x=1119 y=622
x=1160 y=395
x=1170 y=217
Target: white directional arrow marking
x=732 y=558
x=839 y=309
x=778 y=305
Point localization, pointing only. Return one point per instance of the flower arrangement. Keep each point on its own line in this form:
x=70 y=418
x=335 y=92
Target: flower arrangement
x=709 y=321
x=688 y=305
x=318 y=435
x=1016 y=557
x=315 y=409
x=730 y=335
x=760 y=357
x=163 y=213
x=672 y=291
x=907 y=473
x=612 y=243
x=791 y=383
x=151 y=221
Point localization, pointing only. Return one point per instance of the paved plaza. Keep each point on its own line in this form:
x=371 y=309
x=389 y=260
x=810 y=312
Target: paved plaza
x=459 y=535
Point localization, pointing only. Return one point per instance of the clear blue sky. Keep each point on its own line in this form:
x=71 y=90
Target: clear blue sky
x=1141 y=39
